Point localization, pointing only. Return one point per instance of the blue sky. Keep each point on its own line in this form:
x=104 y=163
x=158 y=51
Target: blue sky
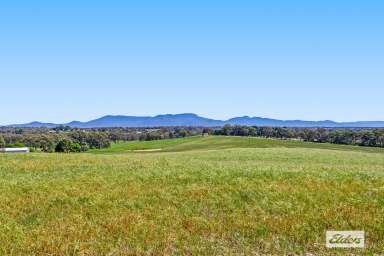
x=78 y=60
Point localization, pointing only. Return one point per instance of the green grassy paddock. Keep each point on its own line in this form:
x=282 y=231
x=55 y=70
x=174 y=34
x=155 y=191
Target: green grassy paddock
x=222 y=142
x=198 y=196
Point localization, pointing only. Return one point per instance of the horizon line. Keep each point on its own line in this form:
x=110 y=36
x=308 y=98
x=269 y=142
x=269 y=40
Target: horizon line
x=187 y=113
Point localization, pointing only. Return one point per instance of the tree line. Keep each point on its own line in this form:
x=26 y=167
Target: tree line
x=356 y=136
x=50 y=141
x=66 y=139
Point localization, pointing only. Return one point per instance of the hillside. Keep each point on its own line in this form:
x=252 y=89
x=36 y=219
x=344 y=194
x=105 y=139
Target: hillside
x=197 y=196
x=222 y=142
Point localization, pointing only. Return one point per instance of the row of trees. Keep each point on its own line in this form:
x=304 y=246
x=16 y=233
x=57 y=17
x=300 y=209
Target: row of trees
x=67 y=139
x=361 y=137
x=147 y=134
x=74 y=141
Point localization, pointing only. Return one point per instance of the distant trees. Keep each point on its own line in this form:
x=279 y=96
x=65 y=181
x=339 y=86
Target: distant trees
x=68 y=139
x=207 y=131
x=361 y=137
x=67 y=145
x=115 y=136
x=97 y=140
x=46 y=144
x=80 y=141
x=2 y=142
x=368 y=138
x=61 y=139
x=19 y=131
x=182 y=133
x=64 y=146
x=75 y=147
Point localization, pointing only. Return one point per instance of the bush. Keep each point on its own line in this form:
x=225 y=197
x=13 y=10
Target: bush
x=15 y=145
x=75 y=147
x=47 y=145
x=84 y=147
x=63 y=146
x=98 y=140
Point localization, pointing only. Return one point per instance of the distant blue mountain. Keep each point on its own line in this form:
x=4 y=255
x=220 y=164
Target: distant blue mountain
x=259 y=121
x=34 y=125
x=147 y=121
x=195 y=120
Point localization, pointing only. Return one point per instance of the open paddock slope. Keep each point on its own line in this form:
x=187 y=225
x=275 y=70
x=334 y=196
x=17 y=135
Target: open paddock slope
x=222 y=142
x=215 y=196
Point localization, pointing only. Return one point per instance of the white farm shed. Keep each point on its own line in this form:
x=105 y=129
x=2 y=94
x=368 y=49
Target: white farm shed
x=14 y=150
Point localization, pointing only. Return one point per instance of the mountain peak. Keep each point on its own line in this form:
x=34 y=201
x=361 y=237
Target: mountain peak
x=191 y=115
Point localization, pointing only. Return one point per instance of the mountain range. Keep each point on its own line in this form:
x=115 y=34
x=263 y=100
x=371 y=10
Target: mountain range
x=195 y=120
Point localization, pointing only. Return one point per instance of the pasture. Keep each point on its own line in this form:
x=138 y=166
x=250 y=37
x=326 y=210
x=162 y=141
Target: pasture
x=191 y=196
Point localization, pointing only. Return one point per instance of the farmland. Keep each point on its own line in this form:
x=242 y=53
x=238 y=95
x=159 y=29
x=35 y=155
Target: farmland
x=191 y=196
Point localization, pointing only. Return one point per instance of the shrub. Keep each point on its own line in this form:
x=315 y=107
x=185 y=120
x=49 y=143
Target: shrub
x=63 y=146
x=15 y=145
x=84 y=147
x=75 y=147
x=46 y=145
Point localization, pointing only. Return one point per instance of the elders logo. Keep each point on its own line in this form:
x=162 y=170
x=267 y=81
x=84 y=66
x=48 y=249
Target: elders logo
x=345 y=239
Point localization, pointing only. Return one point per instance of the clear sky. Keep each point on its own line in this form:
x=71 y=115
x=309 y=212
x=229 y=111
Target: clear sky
x=69 y=60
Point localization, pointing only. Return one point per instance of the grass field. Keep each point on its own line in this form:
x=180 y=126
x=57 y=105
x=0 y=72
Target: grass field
x=192 y=196
x=221 y=142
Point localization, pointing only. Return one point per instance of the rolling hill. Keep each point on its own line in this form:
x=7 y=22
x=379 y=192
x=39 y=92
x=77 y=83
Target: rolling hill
x=192 y=196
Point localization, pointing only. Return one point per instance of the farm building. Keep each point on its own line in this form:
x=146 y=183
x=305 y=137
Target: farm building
x=14 y=150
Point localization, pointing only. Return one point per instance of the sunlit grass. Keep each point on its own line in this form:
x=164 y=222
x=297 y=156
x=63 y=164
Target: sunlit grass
x=221 y=142
x=238 y=200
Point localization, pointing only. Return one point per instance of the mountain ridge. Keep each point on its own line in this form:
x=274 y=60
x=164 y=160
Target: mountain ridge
x=191 y=119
